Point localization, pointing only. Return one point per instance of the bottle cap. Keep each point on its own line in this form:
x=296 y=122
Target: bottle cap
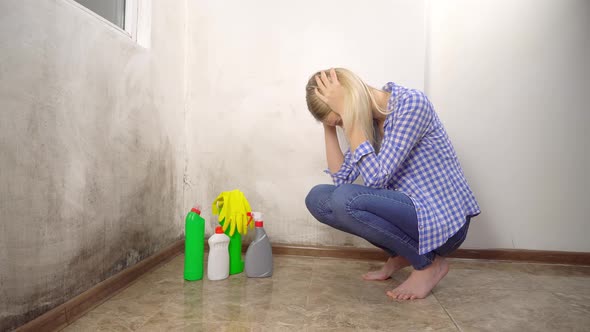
x=258 y=224
x=218 y=230
x=257 y=216
x=196 y=209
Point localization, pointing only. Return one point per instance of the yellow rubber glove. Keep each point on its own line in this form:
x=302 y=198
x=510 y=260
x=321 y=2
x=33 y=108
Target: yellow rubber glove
x=231 y=215
x=242 y=215
x=233 y=207
x=223 y=207
x=219 y=204
x=239 y=212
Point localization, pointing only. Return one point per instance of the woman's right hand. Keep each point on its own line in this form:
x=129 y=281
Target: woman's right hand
x=330 y=91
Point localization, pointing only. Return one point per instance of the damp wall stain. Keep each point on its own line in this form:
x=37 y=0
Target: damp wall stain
x=92 y=150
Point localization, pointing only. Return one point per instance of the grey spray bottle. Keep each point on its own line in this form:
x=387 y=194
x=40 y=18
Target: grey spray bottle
x=259 y=255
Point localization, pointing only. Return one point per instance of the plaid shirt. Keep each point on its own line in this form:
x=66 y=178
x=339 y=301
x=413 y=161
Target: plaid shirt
x=417 y=158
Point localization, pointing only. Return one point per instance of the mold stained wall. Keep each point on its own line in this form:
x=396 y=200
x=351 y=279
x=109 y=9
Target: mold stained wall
x=92 y=149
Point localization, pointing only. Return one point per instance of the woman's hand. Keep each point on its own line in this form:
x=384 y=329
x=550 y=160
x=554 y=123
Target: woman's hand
x=330 y=91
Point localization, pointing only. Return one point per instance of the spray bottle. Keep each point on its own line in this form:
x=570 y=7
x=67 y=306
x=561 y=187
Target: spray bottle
x=259 y=255
x=194 y=245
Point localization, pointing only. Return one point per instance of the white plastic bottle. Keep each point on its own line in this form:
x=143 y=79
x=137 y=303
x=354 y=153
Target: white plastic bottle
x=218 y=262
x=259 y=255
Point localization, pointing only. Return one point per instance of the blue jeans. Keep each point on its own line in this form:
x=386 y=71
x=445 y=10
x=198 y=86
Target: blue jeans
x=385 y=218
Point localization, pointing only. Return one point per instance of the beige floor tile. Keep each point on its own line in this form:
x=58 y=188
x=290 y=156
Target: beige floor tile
x=162 y=323
x=277 y=327
x=114 y=316
x=425 y=315
x=515 y=310
x=490 y=275
x=559 y=278
x=472 y=274
x=350 y=289
x=293 y=260
x=323 y=294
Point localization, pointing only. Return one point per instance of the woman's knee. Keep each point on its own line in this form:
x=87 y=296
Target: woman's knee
x=317 y=196
x=342 y=197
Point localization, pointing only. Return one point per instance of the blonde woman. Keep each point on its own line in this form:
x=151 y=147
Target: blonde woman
x=415 y=202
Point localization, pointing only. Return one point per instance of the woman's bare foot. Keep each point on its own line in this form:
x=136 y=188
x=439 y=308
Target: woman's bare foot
x=421 y=282
x=393 y=264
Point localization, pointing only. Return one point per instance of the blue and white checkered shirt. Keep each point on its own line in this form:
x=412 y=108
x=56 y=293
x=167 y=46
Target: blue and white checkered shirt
x=417 y=158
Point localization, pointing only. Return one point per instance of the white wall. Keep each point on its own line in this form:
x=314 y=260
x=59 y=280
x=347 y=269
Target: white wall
x=248 y=123
x=508 y=78
x=511 y=80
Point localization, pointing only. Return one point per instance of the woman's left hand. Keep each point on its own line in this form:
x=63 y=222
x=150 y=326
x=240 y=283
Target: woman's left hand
x=330 y=91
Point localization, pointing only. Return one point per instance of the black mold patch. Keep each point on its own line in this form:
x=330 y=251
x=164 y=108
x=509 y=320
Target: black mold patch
x=143 y=227
x=12 y=322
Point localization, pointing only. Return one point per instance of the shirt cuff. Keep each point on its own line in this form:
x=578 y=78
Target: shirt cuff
x=342 y=173
x=362 y=150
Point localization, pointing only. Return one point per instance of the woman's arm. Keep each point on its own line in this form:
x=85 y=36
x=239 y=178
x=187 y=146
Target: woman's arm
x=334 y=155
x=356 y=137
x=410 y=124
x=340 y=167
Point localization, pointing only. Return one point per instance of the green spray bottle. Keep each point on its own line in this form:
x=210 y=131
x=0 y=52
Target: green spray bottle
x=194 y=245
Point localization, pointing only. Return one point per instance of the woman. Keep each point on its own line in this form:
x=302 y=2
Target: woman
x=415 y=202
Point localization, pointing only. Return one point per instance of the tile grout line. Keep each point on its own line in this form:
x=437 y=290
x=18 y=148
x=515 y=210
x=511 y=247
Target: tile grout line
x=447 y=312
x=139 y=328
x=168 y=300
x=309 y=285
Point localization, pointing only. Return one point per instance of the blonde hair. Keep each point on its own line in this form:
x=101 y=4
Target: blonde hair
x=358 y=103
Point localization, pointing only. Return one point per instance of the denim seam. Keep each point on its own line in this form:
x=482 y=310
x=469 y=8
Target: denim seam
x=382 y=196
x=462 y=237
x=321 y=208
x=459 y=240
x=393 y=236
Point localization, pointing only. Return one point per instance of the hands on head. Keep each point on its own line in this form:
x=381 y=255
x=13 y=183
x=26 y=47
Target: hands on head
x=331 y=92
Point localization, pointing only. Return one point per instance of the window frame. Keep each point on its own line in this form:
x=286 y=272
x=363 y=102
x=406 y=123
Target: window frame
x=137 y=20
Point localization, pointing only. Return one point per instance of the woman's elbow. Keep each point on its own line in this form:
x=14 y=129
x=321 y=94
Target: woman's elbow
x=376 y=182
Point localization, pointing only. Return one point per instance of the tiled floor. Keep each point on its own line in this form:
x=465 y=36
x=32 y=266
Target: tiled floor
x=322 y=294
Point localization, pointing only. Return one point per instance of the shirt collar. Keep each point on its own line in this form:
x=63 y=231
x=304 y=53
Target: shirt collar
x=392 y=103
